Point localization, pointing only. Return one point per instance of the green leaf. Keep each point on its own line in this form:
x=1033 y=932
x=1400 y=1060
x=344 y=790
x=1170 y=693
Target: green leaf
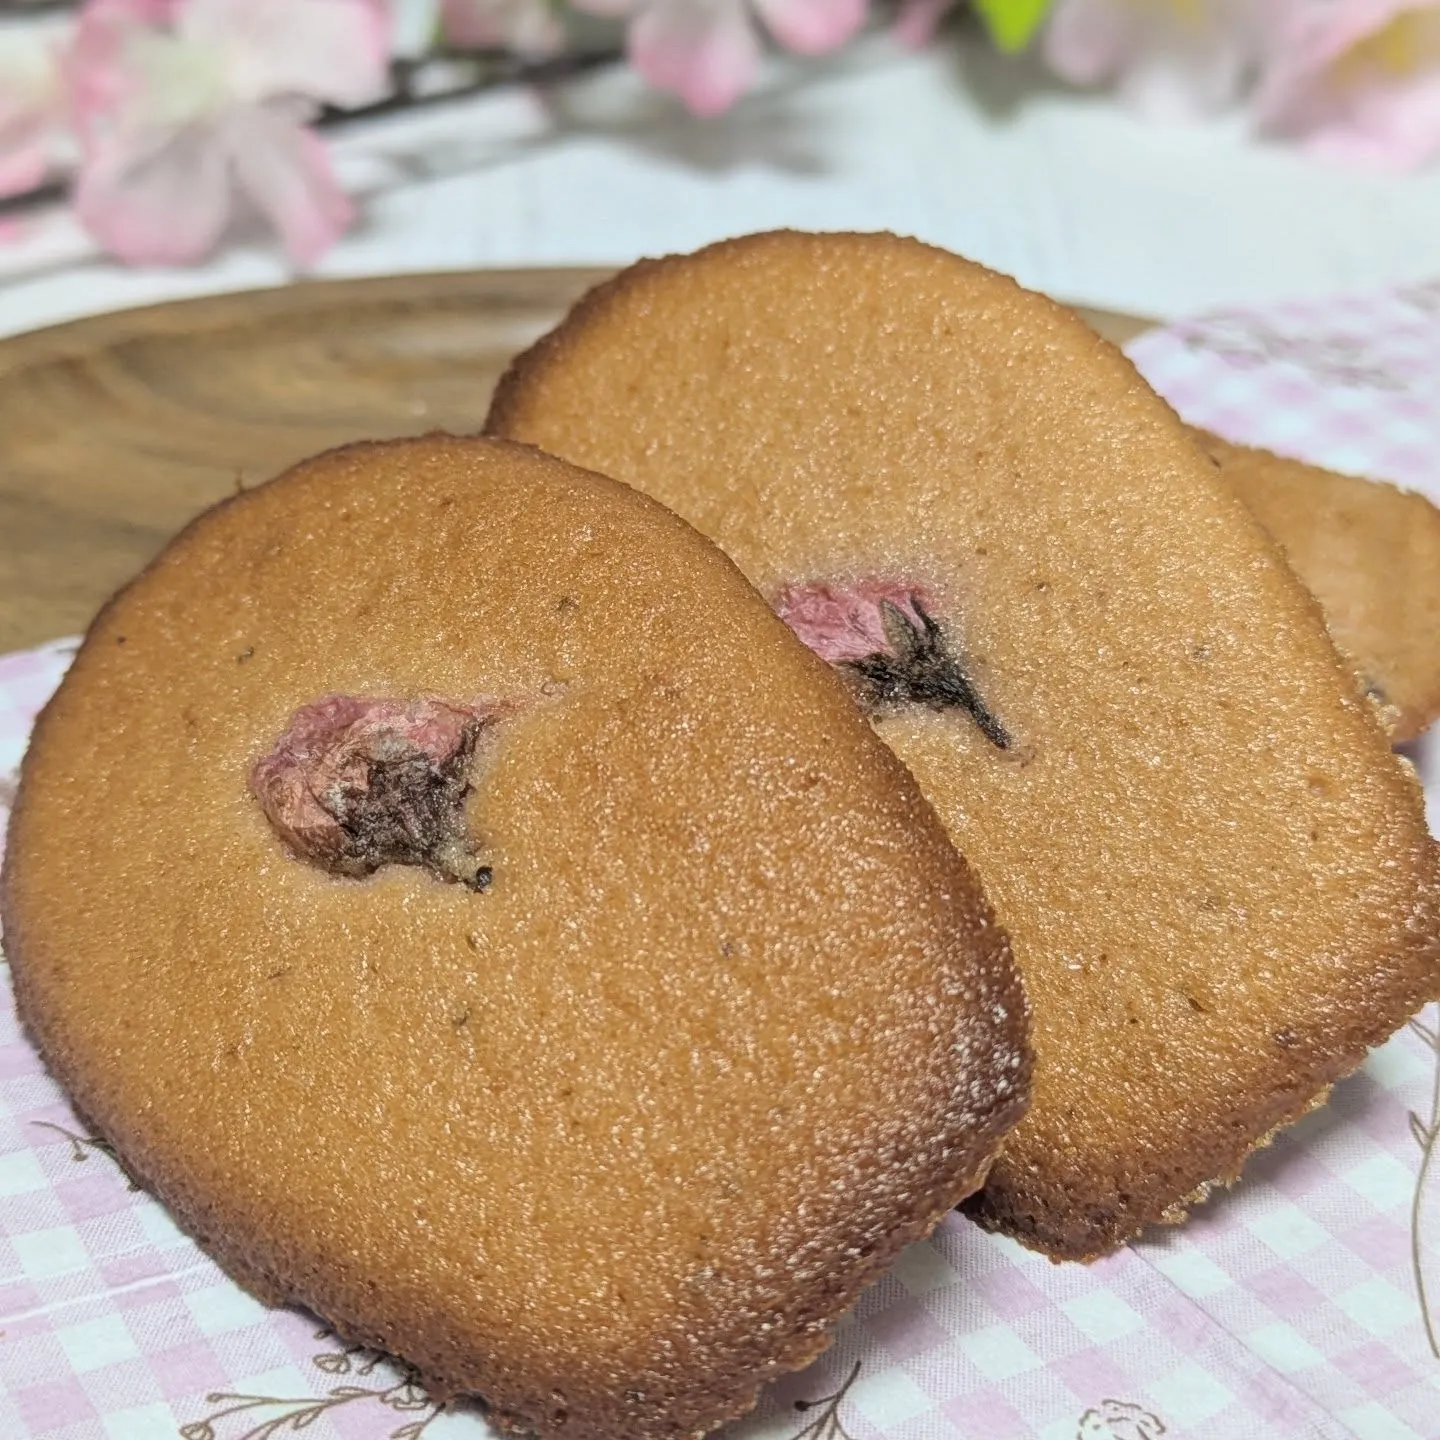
x=1011 y=24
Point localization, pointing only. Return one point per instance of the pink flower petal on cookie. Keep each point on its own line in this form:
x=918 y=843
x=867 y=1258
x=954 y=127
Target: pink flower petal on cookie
x=330 y=745
x=811 y=27
x=286 y=172
x=847 y=622
x=704 y=51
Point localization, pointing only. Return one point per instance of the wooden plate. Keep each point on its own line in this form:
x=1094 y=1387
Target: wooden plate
x=114 y=431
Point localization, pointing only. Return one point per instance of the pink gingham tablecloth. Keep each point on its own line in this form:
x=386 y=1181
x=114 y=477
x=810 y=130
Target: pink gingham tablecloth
x=1293 y=1307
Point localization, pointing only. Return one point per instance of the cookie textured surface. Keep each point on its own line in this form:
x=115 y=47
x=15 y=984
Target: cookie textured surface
x=1215 y=875
x=461 y=899
x=1370 y=553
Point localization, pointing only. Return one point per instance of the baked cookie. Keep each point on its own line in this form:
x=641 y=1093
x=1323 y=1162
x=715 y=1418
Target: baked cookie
x=459 y=897
x=1370 y=553
x=1215 y=874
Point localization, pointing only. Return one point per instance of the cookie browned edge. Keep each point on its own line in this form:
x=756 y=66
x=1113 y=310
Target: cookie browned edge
x=513 y=1408
x=1099 y=1222
x=506 y=396
x=1102 y=1223
x=1402 y=721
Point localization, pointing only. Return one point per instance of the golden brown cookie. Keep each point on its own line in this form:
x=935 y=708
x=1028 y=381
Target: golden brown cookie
x=1215 y=874
x=459 y=897
x=1370 y=553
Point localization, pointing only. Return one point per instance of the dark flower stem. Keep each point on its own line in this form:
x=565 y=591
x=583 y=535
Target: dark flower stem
x=920 y=669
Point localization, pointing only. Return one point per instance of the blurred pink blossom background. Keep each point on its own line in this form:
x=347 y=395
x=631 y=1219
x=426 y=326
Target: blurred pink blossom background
x=184 y=107
x=166 y=118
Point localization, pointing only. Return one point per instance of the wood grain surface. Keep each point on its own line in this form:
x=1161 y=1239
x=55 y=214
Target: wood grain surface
x=114 y=431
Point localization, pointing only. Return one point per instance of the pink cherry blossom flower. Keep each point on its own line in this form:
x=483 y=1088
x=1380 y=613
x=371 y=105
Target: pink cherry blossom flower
x=531 y=29
x=847 y=622
x=180 y=103
x=32 y=108
x=707 y=51
x=359 y=782
x=1170 y=59
x=1357 y=81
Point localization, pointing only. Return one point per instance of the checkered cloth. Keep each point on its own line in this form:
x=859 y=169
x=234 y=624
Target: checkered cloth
x=1287 y=1309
